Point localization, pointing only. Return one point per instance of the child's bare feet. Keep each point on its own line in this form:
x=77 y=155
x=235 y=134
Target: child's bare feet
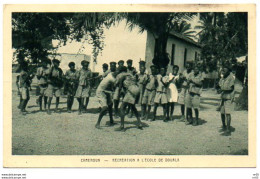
x=97 y=126
x=182 y=119
x=121 y=128
x=48 y=111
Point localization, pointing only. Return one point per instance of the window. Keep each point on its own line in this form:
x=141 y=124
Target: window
x=173 y=54
x=185 y=57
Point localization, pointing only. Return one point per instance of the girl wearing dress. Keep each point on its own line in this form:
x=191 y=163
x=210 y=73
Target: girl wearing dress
x=172 y=92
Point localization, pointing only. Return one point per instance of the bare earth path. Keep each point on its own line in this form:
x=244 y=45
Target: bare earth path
x=38 y=133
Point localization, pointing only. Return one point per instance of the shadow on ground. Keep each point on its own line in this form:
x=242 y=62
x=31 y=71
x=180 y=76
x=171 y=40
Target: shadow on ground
x=224 y=133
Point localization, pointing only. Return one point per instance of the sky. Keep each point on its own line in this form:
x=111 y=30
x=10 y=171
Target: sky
x=120 y=44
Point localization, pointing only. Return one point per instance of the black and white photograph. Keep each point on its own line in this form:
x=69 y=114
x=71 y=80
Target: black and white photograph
x=130 y=84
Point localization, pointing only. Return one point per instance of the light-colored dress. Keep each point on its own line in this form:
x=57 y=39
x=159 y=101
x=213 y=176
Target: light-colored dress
x=172 y=91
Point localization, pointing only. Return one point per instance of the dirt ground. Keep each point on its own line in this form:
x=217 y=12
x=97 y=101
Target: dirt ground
x=38 y=133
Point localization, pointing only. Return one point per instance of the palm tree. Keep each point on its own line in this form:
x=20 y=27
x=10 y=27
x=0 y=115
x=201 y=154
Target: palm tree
x=223 y=35
x=159 y=24
x=184 y=28
x=89 y=27
x=212 y=35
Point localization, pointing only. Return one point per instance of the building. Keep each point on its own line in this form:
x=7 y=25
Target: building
x=122 y=44
x=180 y=49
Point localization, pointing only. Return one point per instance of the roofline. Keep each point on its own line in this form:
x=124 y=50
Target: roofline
x=181 y=37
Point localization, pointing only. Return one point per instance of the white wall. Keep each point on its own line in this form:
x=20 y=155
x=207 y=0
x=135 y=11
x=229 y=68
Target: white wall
x=65 y=59
x=120 y=44
x=180 y=46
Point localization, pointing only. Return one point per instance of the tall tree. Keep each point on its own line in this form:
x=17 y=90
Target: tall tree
x=223 y=35
x=184 y=28
x=32 y=33
x=160 y=25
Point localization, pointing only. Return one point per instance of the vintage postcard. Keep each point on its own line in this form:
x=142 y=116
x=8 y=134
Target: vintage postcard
x=130 y=85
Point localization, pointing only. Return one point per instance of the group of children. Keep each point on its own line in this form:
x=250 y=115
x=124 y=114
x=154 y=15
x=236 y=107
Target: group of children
x=123 y=84
x=159 y=88
x=51 y=80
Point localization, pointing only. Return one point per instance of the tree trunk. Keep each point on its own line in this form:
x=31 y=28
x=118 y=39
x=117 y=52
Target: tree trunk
x=242 y=101
x=161 y=58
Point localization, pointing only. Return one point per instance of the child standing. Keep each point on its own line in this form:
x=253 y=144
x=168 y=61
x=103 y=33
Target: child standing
x=161 y=96
x=183 y=88
x=193 y=96
x=24 y=83
x=172 y=91
x=42 y=76
x=227 y=95
x=72 y=83
x=150 y=91
x=55 y=83
x=83 y=91
x=130 y=70
x=142 y=78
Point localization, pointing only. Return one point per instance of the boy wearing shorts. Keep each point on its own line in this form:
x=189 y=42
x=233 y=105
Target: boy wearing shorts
x=104 y=95
x=150 y=91
x=192 y=100
x=55 y=83
x=142 y=78
x=183 y=78
x=161 y=96
x=117 y=92
x=84 y=76
x=128 y=81
x=72 y=83
x=227 y=94
x=24 y=83
x=42 y=76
